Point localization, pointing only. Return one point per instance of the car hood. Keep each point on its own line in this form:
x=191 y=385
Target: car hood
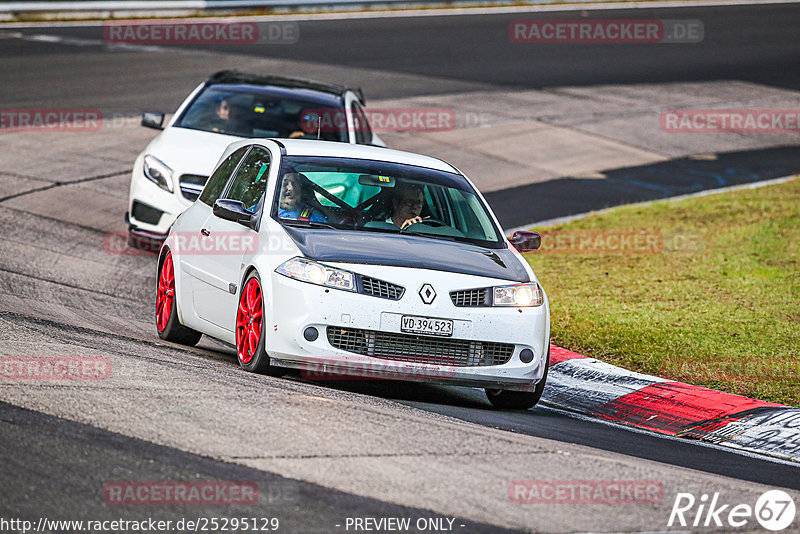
x=190 y=151
x=407 y=251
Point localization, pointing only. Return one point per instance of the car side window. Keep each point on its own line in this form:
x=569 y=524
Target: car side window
x=363 y=130
x=250 y=181
x=216 y=183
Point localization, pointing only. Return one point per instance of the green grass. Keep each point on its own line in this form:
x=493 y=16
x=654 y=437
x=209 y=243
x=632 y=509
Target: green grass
x=721 y=312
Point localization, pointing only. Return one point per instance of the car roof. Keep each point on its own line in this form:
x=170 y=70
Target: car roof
x=246 y=78
x=307 y=147
x=309 y=96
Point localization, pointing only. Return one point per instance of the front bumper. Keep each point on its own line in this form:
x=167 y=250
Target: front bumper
x=145 y=192
x=296 y=306
x=142 y=239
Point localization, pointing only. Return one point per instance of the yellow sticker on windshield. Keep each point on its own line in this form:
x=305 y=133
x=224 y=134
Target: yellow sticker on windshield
x=384 y=179
x=259 y=109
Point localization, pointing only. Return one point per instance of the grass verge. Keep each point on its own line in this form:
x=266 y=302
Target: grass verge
x=703 y=290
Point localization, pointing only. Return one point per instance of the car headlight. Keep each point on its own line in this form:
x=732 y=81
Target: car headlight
x=522 y=295
x=157 y=172
x=317 y=273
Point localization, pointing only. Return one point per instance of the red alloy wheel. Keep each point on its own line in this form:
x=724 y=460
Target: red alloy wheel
x=166 y=293
x=248 y=321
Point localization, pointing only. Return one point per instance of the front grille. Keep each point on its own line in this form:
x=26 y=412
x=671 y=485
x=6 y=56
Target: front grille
x=379 y=288
x=192 y=185
x=471 y=297
x=419 y=349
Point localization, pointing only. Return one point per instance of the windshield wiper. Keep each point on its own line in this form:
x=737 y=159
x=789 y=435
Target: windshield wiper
x=308 y=224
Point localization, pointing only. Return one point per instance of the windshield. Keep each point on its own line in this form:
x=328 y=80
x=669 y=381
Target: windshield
x=248 y=111
x=376 y=196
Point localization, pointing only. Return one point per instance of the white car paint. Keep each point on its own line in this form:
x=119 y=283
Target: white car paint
x=188 y=151
x=206 y=304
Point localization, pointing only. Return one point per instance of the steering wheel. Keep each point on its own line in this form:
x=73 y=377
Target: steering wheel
x=436 y=223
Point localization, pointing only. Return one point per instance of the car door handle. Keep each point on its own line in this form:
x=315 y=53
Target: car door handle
x=205 y=232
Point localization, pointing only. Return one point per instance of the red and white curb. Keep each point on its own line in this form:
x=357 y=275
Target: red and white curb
x=585 y=385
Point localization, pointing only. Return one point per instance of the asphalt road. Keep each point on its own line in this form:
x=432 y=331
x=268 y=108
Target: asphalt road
x=419 y=55
x=82 y=459
x=682 y=176
x=544 y=422
x=44 y=301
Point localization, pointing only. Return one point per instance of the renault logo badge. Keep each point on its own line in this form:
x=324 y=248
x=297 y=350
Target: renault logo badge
x=427 y=293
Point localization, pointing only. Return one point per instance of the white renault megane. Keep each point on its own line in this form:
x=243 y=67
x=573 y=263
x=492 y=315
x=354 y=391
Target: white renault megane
x=350 y=259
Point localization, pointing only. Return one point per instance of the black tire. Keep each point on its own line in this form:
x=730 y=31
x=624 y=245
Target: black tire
x=519 y=400
x=174 y=331
x=259 y=362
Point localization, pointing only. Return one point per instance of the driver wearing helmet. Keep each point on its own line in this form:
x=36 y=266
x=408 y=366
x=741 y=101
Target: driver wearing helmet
x=294 y=201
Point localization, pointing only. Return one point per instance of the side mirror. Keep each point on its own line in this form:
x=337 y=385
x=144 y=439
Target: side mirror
x=232 y=210
x=153 y=119
x=525 y=240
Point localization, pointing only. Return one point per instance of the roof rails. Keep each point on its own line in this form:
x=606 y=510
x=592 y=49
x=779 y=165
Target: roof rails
x=233 y=76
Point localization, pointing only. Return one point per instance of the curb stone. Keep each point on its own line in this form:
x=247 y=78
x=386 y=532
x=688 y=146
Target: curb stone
x=588 y=386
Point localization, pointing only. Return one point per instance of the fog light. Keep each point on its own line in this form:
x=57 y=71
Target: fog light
x=526 y=356
x=311 y=334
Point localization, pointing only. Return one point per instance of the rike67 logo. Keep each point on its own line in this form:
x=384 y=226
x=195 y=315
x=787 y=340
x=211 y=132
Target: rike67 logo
x=774 y=510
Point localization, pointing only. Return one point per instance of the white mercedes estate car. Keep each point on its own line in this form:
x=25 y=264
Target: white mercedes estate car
x=355 y=260
x=169 y=174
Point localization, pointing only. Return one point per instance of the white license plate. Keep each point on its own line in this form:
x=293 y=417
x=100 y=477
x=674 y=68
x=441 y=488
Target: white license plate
x=426 y=325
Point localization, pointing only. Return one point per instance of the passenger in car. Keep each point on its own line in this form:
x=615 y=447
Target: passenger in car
x=295 y=202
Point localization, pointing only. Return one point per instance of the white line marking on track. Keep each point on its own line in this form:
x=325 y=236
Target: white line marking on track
x=73 y=41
